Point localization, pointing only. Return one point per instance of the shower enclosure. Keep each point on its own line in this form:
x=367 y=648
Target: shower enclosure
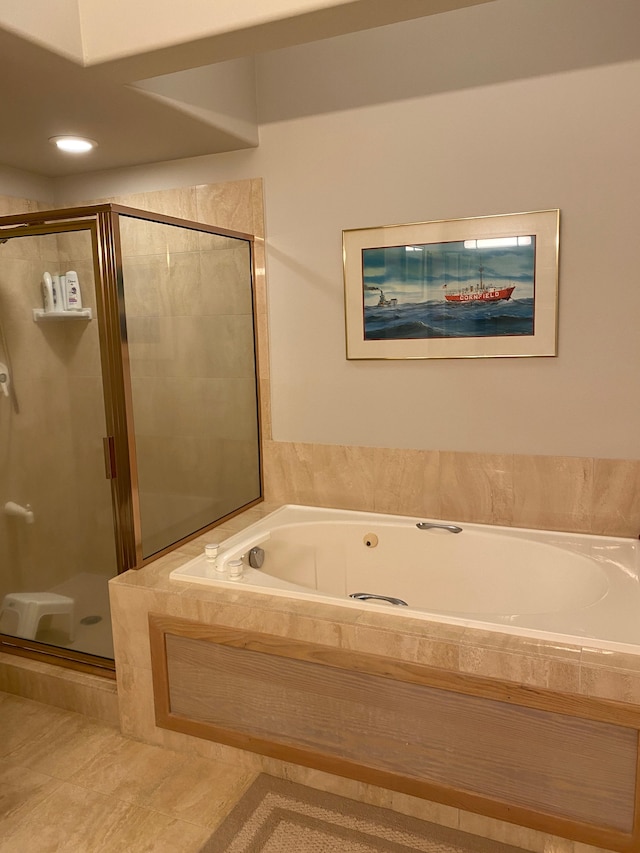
x=128 y=410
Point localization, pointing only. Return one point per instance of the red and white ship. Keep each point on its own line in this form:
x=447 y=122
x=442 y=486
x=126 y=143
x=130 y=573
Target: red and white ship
x=480 y=292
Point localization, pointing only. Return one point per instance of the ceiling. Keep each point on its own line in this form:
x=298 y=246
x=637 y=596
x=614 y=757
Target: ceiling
x=189 y=92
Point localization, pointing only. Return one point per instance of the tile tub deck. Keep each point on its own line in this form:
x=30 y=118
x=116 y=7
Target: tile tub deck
x=563 y=667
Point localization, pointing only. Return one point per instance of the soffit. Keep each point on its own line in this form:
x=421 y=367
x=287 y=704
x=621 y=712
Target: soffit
x=150 y=93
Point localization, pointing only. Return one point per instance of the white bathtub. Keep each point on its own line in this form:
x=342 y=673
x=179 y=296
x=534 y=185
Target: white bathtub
x=536 y=583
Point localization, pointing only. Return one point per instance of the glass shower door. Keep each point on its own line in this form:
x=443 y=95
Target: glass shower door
x=188 y=300
x=57 y=548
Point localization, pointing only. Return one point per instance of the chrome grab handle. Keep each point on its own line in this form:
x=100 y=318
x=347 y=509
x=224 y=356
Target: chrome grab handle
x=365 y=596
x=430 y=525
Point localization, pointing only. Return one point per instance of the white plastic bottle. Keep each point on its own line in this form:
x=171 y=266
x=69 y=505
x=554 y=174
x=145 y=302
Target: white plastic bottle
x=62 y=294
x=74 y=297
x=47 y=293
x=58 y=293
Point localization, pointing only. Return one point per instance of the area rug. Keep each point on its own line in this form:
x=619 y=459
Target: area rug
x=276 y=816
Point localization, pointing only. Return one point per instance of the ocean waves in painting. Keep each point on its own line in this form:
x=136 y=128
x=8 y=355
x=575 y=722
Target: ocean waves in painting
x=440 y=319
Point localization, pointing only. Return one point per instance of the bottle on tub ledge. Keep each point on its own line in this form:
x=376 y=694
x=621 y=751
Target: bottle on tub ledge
x=73 y=297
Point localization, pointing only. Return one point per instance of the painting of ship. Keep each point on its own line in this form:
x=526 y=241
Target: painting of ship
x=480 y=292
x=383 y=302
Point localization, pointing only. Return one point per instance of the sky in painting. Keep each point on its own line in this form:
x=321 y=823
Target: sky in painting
x=419 y=272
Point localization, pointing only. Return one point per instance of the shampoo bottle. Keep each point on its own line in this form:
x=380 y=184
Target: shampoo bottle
x=47 y=293
x=74 y=298
x=58 y=297
x=62 y=294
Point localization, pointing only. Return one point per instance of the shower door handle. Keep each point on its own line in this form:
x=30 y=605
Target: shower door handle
x=109 y=447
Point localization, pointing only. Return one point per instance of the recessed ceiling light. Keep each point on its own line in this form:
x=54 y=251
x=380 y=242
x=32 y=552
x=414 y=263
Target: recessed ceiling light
x=73 y=144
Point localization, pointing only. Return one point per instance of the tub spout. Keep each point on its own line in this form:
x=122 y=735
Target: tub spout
x=430 y=525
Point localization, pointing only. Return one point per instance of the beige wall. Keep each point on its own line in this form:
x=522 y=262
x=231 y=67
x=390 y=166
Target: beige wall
x=483 y=111
x=520 y=146
x=494 y=131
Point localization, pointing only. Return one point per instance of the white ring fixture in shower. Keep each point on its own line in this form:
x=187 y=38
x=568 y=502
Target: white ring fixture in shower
x=12 y=508
x=4 y=379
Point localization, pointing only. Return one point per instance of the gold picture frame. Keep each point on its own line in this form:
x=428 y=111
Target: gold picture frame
x=481 y=287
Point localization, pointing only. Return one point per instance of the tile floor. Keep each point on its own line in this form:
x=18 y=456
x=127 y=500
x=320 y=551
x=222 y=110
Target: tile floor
x=73 y=784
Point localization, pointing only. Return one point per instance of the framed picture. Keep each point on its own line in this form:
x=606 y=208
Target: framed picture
x=458 y=288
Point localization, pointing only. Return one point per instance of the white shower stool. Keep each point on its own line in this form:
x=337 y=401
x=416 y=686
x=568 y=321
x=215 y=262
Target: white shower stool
x=32 y=606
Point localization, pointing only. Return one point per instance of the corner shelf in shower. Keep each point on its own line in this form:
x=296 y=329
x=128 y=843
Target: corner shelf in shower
x=39 y=314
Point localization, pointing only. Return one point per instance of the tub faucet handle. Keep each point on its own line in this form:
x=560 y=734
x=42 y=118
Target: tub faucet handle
x=430 y=525
x=372 y=596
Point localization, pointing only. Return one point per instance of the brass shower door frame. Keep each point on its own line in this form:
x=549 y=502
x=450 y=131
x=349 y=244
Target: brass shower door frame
x=123 y=397
x=102 y=222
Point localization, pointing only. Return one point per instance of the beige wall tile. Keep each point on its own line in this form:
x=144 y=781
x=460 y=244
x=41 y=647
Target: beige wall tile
x=340 y=786
x=587 y=848
x=136 y=703
x=224 y=280
x=343 y=476
x=406 y=482
x=612 y=660
x=288 y=472
x=180 y=202
x=476 y=487
x=425 y=810
x=74 y=248
x=615 y=509
x=552 y=492
x=503 y=641
x=257 y=204
x=232 y=205
x=10 y=206
x=264 y=376
x=442 y=655
x=393 y=621
x=617 y=684
x=148 y=237
x=509 y=833
x=84 y=693
x=391 y=644
x=535 y=671
x=129 y=608
x=159 y=284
